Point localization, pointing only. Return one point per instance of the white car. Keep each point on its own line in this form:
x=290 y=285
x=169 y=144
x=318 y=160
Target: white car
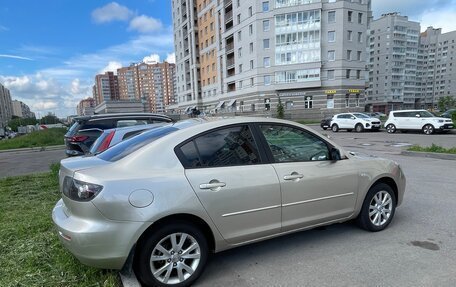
x=417 y=120
x=354 y=121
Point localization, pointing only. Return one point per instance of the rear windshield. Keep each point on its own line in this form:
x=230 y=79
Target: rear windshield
x=131 y=145
x=74 y=128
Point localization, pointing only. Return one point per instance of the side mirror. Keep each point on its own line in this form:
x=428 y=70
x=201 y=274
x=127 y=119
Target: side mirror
x=335 y=154
x=353 y=118
x=417 y=115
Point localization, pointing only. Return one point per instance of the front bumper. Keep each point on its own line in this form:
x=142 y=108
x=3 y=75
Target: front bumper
x=446 y=127
x=96 y=242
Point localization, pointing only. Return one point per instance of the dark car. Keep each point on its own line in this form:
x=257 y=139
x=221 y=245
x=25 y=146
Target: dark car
x=85 y=130
x=324 y=124
x=448 y=113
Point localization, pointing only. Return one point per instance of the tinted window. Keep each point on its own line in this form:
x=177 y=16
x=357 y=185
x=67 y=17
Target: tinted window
x=288 y=144
x=74 y=128
x=98 y=124
x=401 y=115
x=127 y=147
x=223 y=147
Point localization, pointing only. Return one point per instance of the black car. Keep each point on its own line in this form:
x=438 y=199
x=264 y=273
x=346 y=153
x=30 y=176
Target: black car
x=324 y=124
x=448 y=113
x=85 y=130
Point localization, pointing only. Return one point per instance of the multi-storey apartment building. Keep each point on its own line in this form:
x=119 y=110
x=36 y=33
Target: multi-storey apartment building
x=86 y=107
x=6 y=107
x=106 y=88
x=438 y=66
x=20 y=109
x=152 y=83
x=393 y=63
x=244 y=55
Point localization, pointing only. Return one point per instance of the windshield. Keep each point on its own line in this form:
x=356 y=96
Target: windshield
x=131 y=145
x=362 y=116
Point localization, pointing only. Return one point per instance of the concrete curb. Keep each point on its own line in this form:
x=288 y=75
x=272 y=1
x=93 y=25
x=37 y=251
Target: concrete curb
x=435 y=155
x=34 y=149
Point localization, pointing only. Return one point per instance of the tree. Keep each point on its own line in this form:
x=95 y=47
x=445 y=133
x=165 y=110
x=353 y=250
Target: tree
x=16 y=122
x=446 y=103
x=49 y=119
x=280 y=110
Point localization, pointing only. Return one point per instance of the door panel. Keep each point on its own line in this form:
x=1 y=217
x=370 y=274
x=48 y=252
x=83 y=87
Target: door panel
x=247 y=207
x=326 y=191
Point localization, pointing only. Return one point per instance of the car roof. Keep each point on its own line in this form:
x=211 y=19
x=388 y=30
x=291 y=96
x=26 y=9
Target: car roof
x=398 y=111
x=120 y=115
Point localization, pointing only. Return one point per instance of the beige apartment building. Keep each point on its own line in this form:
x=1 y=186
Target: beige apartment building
x=153 y=84
x=86 y=107
x=106 y=88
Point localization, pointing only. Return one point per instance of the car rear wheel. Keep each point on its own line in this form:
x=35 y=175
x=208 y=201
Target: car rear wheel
x=173 y=255
x=428 y=129
x=378 y=208
x=391 y=129
x=335 y=128
x=359 y=128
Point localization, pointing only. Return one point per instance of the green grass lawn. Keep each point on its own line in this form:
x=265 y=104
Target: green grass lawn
x=308 y=122
x=30 y=252
x=42 y=138
x=433 y=148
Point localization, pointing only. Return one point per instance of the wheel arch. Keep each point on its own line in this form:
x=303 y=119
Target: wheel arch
x=388 y=181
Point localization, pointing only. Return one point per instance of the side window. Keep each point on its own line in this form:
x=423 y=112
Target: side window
x=400 y=115
x=131 y=134
x=225 y=147
x=290 y=144
x=129 y=123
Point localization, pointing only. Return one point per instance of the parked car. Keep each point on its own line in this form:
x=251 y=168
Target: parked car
x=354 y=121
x=161 y=201
x=417 y=120
x=376 y=115
x=111 y=137
x=326 y=122
x=85 y=130
x=448 y=113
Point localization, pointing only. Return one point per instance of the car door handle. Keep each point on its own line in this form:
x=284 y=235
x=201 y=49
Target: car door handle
x=293 y=176
x=212 y=185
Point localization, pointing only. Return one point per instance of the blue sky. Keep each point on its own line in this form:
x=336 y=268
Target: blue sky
x=50 y=50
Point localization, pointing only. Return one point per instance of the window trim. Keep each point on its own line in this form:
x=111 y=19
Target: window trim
x=263 y=159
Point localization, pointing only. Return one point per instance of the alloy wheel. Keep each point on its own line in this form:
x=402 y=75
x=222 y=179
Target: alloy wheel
x=380 y=208
x=175 y=258
x=428 y=129
x=390 y=128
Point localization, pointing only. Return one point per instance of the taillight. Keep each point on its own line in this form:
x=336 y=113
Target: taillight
x=80 y=190
x=78 y=138
x=106 y=142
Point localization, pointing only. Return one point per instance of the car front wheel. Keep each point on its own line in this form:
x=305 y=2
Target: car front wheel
x=378 y=208
x=391 y=129
x=428 y=129
x=335 y=128
x=359 y=128
x=173 y=255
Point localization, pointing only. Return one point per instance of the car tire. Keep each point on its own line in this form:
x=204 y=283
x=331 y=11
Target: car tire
x=182 y=264
x=359 y=128
x=335 y=128
x=428 y=129
x=325 y=128
x=391 y=129
x=378 y=208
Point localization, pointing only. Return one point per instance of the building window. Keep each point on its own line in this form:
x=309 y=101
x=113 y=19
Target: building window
x=358 y=56
x=250 y=29
x=266 y=25
x=350 y=35
x=360 y=37
x=267 y=80
x=240 y=84
x=360 y=18
x=330 y=74
x=251 y=64
x=347 y=74
x=239 y=18
x=349 y=53
x=347 y=100
x=350 y=16
x=331 y=55
x=297 y=76
x=330 y=102
x=240 y=36
x=240 y=52
x=358 y=74
x=331 y=36
x=308 y=102
x=267 y=62
x=266 y=6
x=251 y=48
x=288 y=105
x=251 y=82
x=240 y=68
x=332 y=17
x=265 y=43
x=250 y=11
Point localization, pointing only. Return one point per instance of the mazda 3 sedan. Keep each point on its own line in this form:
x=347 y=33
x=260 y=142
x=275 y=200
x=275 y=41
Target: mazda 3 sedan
x=162 y=201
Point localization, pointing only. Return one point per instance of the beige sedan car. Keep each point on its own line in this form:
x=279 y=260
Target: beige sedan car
x=162 y=201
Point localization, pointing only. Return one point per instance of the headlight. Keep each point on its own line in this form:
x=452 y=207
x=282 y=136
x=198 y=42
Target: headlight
x=80 y=190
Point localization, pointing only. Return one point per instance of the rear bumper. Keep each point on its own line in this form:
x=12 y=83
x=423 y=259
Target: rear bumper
x=97 y=242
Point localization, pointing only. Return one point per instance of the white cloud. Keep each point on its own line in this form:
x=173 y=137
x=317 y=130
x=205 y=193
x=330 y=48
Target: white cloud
x=171 y=58
x=18 y=83
x=153 y=58
x=145 y=24
x=441 y=18
x=111 y=67
x=111 y=12
x=15 y=57
x=75 y=86
x=44 y=105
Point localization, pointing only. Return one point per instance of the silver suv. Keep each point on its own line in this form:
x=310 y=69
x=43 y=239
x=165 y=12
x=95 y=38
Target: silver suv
x=163 y=200
x=417 y=120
